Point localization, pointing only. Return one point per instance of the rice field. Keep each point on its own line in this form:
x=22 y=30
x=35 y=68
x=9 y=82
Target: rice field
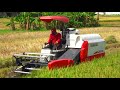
x=17 y=42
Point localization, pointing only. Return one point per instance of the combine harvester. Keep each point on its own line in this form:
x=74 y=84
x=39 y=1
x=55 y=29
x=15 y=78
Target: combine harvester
x=75 y=49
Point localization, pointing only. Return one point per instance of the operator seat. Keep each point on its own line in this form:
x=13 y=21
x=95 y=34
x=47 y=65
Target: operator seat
x=63 y=41
x=64 y=32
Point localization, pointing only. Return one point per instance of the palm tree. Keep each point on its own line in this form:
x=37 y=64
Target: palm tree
x=28 y=23
x=98 y=16
x=12 y=23
x=104 y=13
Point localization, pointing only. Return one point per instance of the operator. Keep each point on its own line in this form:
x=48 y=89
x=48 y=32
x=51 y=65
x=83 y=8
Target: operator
x=54 y=40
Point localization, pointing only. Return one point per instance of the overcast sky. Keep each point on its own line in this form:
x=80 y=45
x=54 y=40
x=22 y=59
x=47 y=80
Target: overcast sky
x=110 y=12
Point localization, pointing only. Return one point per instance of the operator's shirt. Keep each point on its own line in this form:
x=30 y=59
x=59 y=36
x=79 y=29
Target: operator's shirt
x=53 y=38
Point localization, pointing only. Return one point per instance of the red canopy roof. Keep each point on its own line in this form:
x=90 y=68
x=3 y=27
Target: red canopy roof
x=50 y=18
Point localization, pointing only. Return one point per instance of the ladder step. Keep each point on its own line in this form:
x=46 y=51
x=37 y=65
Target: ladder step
x=32 y=69
x=22 y=72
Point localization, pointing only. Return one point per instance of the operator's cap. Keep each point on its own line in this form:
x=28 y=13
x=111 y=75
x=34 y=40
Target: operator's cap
x=53 y=30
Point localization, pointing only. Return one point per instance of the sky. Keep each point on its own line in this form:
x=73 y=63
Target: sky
x=109 y=13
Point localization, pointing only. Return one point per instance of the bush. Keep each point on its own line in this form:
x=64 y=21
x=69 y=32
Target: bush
x=111 y=39
x=114 y=45
x=77 y=19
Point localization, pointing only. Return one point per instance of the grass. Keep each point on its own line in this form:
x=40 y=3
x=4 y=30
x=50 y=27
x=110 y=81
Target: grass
x=110 y=24
x=19 y=42
x=111 y=39
x=3 y=22
x=109 y=21
x=10 y=31
x=7 y=31
x=12 y=42
x=109 y=18
x=6 y=72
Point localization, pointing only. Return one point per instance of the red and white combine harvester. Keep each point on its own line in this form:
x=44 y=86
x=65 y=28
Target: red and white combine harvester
x=76 y=48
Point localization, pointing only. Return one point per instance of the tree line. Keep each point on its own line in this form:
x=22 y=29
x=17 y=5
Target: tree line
x=30 y=20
